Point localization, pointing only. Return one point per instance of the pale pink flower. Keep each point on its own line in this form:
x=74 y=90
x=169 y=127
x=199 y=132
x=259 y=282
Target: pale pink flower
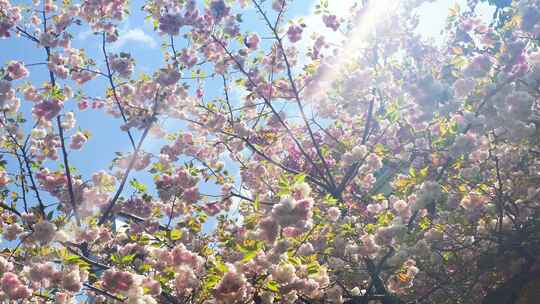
x=479 y=66
x=168 y=77
x=16 y=70
x=333 y=214
x=122 y=64
x=463 y=87
x=44 y=232
x=268 y=230
x=278 y=5
x=294 y=33
x=170 y=23
x=186 y=281
x=69 y=121
x=4 y=178
x=219 y=9
x=284 y=273
x=78 y=140
x=400 y=206
x=331 y=21
x=233 y=287
x=117 y=281
x=13 y=287
x=47 y=109
x=306 y=249
x=153 y=286
x=252 y=42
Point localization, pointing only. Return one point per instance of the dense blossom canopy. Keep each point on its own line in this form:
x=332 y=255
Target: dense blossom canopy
x=376 y=167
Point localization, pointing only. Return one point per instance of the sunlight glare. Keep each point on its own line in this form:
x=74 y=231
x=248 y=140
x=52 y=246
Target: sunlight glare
x=376 y=12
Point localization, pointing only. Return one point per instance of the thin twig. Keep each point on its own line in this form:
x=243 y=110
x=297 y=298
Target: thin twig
x=113 y=201
x=113 y=88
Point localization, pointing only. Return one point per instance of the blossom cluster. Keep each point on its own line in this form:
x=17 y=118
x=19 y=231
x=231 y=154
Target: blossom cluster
x=275 y=165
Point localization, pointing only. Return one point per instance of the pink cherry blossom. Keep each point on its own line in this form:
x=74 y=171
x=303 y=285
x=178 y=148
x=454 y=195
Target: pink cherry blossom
x=331 y=21
x=294 y=33
x=78 y=140
x=13 y=287
x=17 y=70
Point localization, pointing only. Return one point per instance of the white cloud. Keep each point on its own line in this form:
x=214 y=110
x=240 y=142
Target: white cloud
x=135 y=35
x=126 y=36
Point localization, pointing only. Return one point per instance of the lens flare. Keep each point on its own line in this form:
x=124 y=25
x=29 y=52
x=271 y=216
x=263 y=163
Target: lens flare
x=366 y=20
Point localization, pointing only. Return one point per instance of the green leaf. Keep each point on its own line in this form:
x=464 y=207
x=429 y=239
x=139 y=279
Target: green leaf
x=458 y=61
x=446 y=256
x=221 y=266
x=212 y=280
x=138 y=186
x=145 y=267
x=295 y=261
x=175 y=234
x=425 y=223
x=370 y=228
x=385 y=218
x=128 y=258
x=330 y=200
x=283 y=183
x=250 y=248
x=248 y=256
x=424 y=172
x=378 y=197
x=272 y=286
x=73 y=259
x=300 y=178
x=380 y=149
x=412 y=172
x=257 y=204
x=115 y=258
x=313 y=268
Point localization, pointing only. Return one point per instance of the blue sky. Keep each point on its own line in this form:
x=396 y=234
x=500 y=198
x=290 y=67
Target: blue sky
x=138 y=38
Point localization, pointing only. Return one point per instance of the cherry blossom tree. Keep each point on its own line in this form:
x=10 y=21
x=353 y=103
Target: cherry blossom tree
x=379 y=167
